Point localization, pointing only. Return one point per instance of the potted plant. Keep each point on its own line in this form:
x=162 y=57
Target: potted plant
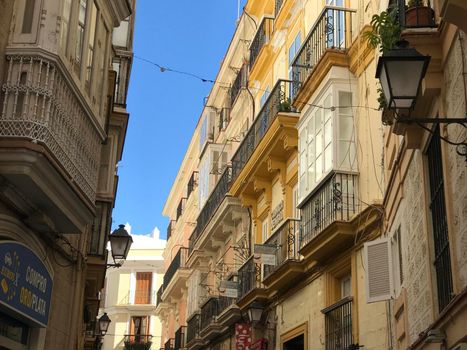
x=285 y=106
x=419 y=14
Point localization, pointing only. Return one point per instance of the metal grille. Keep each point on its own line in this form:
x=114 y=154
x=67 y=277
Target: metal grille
x=192 y=183
x=332 y=31
x=277 y=101
x=39 y=105
x=179 y=342
x=209 y=311
x=193 y=328
x=179 y=261
x=224 y=303
x=338 y=325
x=249 y=276
x=440 y=229
x=170 y=228
x=169 y=344
x=160 y=291
x=261 y=38
x=239 y=83
x=334 y=200
x=286 y=241
x=181 y=207
x=278 y=6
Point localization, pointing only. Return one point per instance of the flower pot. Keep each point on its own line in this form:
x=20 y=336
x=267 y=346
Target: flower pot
x=419 y=16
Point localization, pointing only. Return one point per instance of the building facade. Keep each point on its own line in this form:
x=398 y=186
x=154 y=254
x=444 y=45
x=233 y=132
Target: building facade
x=298 y=219
x=64 y=72
x=130 y=292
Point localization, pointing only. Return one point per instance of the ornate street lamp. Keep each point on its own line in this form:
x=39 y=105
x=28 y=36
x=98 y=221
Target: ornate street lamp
x=400 y=72
x=104 y=322
x=255 y=312
x=120 y=243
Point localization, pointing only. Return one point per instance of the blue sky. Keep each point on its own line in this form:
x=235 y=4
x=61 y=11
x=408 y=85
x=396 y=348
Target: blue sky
x=185 y=35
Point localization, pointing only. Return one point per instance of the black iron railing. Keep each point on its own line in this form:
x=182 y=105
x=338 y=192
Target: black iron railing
x=332 y=30
x=209 y=311
x=193 y=328
x=97 y=243
x=224 y=303
x=262 y=37
x=181 y=207
x=442 y=260
x=249 y=277
x=160 y=291
x=335 y=199
x=192 y=183
x=285 y=239
x=278 y=101
x=169 y=344
x=238 y=84
x=214 y=201
x=130 y=339
x=338 y=325
x=180 y=334
x=278 y=7
x=411 y=15
x=144 y=297
x=122 y=65
x=179 y=261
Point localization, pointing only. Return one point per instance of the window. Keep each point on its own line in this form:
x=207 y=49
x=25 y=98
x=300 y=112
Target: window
x=293 y=49
x=442 y=261
x=396 y=247
x=346 y=288
x=120 y=33
x=143 y=288
x=296 y=210
x=295 y=339
x=264 y=230
x=264 y=97
x=326 y=139
x=139 y=329
x=91 y=38
x=28 y=16
x=80 y=35
x=212 y=165
x=66 y=11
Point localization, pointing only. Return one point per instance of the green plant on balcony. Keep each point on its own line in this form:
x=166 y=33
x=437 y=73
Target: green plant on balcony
x=131 y=345
x=416 y=3
x=285 y=106
x=385 y=30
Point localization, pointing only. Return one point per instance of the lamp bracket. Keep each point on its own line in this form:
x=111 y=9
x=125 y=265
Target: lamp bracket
x=409 y=120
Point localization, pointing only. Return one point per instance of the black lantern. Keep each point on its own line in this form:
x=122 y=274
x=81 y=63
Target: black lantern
x=255 y=312
x=104 y=322
x=400 y=72
x=120 y=243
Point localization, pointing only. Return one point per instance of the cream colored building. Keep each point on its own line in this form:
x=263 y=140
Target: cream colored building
x=64 y=71
x=130 y=292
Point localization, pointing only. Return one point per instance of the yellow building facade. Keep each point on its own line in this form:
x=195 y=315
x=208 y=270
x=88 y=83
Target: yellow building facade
x=292 y=191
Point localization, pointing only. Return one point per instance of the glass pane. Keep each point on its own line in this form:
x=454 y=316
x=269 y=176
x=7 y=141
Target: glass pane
x=311 y=152
x=319 y=167
x=318 y=120
x=302 y=165
x=120 y=34
x=327 y=133
x=319 y=143
x=346 y=131
x=311 y=129
x=328 y=159
x=311 y=175
x=345 y=101
x=303 y=139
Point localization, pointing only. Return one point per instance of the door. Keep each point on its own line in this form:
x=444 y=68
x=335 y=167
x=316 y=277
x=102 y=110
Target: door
x=143 y=288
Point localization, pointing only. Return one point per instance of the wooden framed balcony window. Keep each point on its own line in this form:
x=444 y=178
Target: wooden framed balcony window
x=143 y=288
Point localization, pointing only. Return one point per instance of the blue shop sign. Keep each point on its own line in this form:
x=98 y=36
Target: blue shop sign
x=25 y=282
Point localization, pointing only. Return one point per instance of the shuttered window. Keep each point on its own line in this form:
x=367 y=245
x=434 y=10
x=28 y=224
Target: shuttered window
x=378 y=270
x=143 y=287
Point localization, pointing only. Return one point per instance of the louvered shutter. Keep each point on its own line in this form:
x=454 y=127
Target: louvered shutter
x=378 y=270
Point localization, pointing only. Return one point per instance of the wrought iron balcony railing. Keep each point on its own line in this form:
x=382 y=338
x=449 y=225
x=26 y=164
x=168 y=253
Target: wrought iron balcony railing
x=98 y=236
x=278 y=7
x=240 y=82
x=193 y=328
x=169 y=344
x=181 y=207
x=338 y=325
x=40 y=105
x=180 y=334
x=333 y=30
x=192 y=183
x=214 y=201
x=122 y=65
x=179 y=261
x=141 y=297
x=414 y=15
x=160 y=291
x=224 y=303
x=209 y=311
x=133 y=339
x=249 y=277
x=170 y=228
x=262 y=37
x=278 y=101
x=285 y=239
x=333 y=200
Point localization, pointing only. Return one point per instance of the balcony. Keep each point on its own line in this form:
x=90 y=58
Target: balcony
x=192 y=182
x=137 y=341
x=180 y=208
x=277 y=7
x=288 y=266
x=250 y=285
x=176 y=275
x=170 y=228
x=325 y=227
x=160 y=291
x=262 y=37
x=169 y=344
x=193 y=340
x=52 y=140
x=325 y=46
x=338 y=325
x=238 y=84
x=209 y=311
x=180 y=334
x=122 y=65
x=277 y=102
x=228 y=311
x=210 y=207
x=140 y=297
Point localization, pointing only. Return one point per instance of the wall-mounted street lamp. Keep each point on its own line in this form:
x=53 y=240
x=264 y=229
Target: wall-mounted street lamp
x=104 y=322
x=401 y=71
x=255 y=312
x=120 y=243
